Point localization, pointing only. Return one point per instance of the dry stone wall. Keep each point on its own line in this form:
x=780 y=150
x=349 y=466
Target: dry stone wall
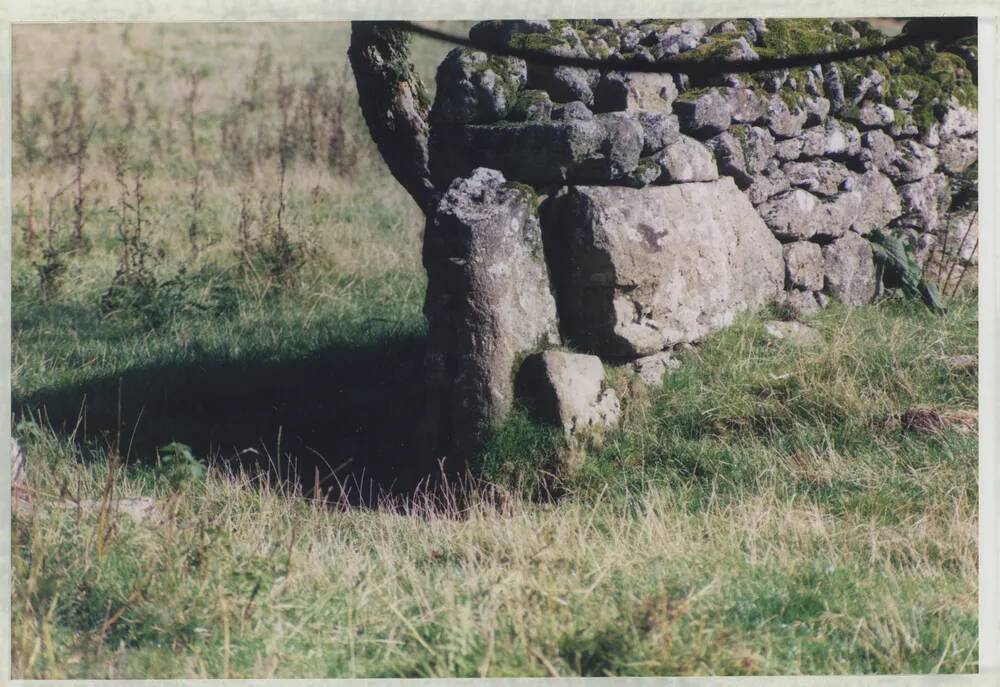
x=629 y=213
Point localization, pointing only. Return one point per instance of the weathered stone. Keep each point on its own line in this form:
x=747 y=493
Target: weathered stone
x=572 y=110
x=904 y=127
x=621 y=148
x=833 y=87
x=958 y=121
x=821 y=177
x=488 y=302
x=958 y=154
x=741 y=50
x=800 y=303
x=833 y=139
x=817 y=109
x=766 y=186
x=617 y=91
x=924 y=202
x=746 y=107
x=913 y=162
x=861 y=87
x=791 y=215
x=647 y=172
x=879 y=150
x=687 y=160
x=742 y=152
x=704 y=116
x=849 y=270
x=758 y=147
x=793 y=332
x=653 y=368
x=567 y=390
x=530 y=152
x=803 y=266
x=784 y=122
x=789 y=149
x=730 y=158
x=880 y=203
x=606 y=147
x=476 y=88
x=872 y=116
x=676 y=39
x=531 y=106
x=658 y=130
x=640 y=271
x=564 y=84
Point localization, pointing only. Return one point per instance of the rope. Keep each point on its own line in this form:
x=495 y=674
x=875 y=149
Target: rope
x=918 y=32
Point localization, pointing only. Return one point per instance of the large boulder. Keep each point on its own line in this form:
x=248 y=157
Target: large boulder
x=638 y=271
x=488 y=303
x=849 y=269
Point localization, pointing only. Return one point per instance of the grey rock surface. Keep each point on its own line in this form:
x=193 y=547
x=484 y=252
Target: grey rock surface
x=488 y=302
x=791 y=215
x=912 y=162
x=653 y=368
x=924 y=203
x=686 y=160
x=849 y=270
x=784 y=122
x=618 y=91
x=803 y=265
x=705 y=115
x=821 y=177
x=800 y=303
x=476 y=88
x=880 y=203
x=957 y=154
x=638 y=271
x=567 y=390
x=958 y=121
x=746 y=107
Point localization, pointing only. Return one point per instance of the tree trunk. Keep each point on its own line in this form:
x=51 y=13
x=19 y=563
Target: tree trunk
x=394 y=103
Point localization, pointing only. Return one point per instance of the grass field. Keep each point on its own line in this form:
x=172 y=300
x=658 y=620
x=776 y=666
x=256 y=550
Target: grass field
x=764 y=512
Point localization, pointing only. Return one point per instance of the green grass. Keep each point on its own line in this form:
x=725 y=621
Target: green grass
x=759 y=513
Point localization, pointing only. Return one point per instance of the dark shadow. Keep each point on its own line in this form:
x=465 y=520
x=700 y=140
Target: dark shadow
x=345 y=415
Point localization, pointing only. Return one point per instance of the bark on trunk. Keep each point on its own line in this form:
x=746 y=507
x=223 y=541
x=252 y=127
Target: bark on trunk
x=394 y=103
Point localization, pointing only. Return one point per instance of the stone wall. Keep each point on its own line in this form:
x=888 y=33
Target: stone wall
x=632 y=213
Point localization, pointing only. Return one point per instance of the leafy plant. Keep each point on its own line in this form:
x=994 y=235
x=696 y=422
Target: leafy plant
x=177 y=465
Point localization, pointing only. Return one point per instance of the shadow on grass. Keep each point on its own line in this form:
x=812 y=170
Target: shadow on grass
x=347 y=415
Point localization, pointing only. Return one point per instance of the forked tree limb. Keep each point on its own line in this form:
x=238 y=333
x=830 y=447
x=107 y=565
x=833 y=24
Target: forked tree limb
x=395 y=104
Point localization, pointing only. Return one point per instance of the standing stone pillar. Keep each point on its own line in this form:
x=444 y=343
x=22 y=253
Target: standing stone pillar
x=489 y=304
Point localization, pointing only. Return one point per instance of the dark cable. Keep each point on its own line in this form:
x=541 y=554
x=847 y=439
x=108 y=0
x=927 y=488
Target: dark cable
x=945 y=29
